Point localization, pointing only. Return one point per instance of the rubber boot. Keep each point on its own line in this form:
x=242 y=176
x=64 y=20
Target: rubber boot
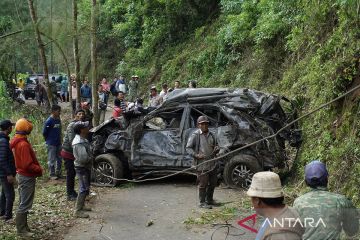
x=210 y=197
x=21 y=225
x=202 y=195
x=85 y=208
x=80 y=201
x=26 y=221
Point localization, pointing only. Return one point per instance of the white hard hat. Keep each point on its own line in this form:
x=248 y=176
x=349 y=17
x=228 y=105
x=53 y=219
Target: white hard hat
x=265 y=185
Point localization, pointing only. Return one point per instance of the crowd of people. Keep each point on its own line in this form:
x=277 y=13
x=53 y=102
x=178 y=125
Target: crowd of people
x=18 y=159
x=318 y=214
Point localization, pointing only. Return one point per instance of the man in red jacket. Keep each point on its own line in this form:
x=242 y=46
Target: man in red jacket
x=27 y=168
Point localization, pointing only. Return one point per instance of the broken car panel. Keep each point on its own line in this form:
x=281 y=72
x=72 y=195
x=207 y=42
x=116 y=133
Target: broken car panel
x=156 y=141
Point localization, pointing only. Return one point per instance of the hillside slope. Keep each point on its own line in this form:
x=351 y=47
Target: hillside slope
x=306 y=50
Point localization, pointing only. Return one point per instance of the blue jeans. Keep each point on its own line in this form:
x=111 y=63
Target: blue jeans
x=7 y=198
x=54 y=159
x=84 y=179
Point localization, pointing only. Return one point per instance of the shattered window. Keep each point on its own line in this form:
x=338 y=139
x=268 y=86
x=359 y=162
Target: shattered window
x=213 y=113
x=168 y=119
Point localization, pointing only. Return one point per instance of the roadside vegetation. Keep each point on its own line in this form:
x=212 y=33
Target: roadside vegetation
x=306 y=50
x=51 y=213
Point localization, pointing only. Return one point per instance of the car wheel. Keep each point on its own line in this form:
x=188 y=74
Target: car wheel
x=108 y=165
x=26 y=97
x=238 y=172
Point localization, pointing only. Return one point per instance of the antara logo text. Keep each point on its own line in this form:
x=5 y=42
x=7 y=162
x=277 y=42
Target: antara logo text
x=292 y=222
x=281 y=223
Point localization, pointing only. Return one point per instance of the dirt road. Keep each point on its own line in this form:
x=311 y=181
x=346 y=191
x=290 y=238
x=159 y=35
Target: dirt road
x=150 y=211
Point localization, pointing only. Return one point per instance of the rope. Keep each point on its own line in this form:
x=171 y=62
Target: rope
x=238 y=149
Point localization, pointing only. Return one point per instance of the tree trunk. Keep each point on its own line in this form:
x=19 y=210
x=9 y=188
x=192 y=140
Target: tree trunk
x=64 y=57
x=41 y=49
x=76 y=52
x=94 y=79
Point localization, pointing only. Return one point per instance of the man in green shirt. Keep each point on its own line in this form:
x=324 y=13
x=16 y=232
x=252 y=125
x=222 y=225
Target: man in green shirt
x=330 y=212
x=133 y=88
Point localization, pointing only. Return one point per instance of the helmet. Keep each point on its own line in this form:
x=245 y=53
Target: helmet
x=202 y=119
x=316 y=173
x=23 y=126
x=265 y=185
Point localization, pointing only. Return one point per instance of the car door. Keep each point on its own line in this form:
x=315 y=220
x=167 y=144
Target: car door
x=223 y=128
x=159 y=145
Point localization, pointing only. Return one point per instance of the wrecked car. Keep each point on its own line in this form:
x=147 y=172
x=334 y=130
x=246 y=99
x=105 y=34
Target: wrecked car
x=138 y=145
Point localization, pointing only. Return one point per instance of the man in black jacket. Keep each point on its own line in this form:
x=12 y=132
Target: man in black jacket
x=7 y=171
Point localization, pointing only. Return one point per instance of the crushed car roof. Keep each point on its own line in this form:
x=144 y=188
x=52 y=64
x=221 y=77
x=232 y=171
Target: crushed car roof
x=238 y=98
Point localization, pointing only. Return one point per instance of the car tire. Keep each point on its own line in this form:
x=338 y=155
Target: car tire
x=26 y=97
x=239 y=170
x=110 y=165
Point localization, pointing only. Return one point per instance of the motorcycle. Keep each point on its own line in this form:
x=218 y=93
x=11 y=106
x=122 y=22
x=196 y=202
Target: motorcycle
x=19 y=95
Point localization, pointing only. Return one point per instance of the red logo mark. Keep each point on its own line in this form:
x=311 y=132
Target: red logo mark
x=253 y=218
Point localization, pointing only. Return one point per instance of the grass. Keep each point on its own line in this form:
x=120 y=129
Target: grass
x=223 y=214
x=50 y=215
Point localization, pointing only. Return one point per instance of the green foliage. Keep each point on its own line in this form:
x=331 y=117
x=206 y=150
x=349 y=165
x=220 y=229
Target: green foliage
x=306 y=50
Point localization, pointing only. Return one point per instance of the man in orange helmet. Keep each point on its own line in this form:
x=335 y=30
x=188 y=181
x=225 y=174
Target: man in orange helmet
x=28 y=169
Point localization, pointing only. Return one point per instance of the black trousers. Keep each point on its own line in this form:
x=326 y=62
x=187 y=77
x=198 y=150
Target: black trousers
x=7 y=198
x=70 y=176
x=207 y=180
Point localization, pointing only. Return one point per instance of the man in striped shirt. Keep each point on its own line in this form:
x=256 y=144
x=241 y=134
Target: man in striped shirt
x=123 y=103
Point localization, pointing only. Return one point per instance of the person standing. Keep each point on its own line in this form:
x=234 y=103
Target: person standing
x=52 y=135
x=267 y=198
x=21 y=84
x=133 y=88
x=85 y=92
x=39 y=93
x=74 y=95
x=123 y=103
x=164 y=91
x=53 y=89
x=106 y=89
x=83 y=163
x=7 y=172
x=89 y=115
x=336 y=211
x=177 y=84
x=64 y=90
x=67 y=155
x=102 y=104
x=28 y=169
x=192 y=84
x=121 y=85
x=155 y=100
x=202 y=146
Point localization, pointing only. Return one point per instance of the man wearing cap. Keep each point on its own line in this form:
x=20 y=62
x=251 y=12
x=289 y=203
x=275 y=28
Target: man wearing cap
x=7 y=171
x=83 y=163
x=335 y=210
x=133 y=88
x=155 y=99
x=202 y=146
x=28 y=169
x=281 y=222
